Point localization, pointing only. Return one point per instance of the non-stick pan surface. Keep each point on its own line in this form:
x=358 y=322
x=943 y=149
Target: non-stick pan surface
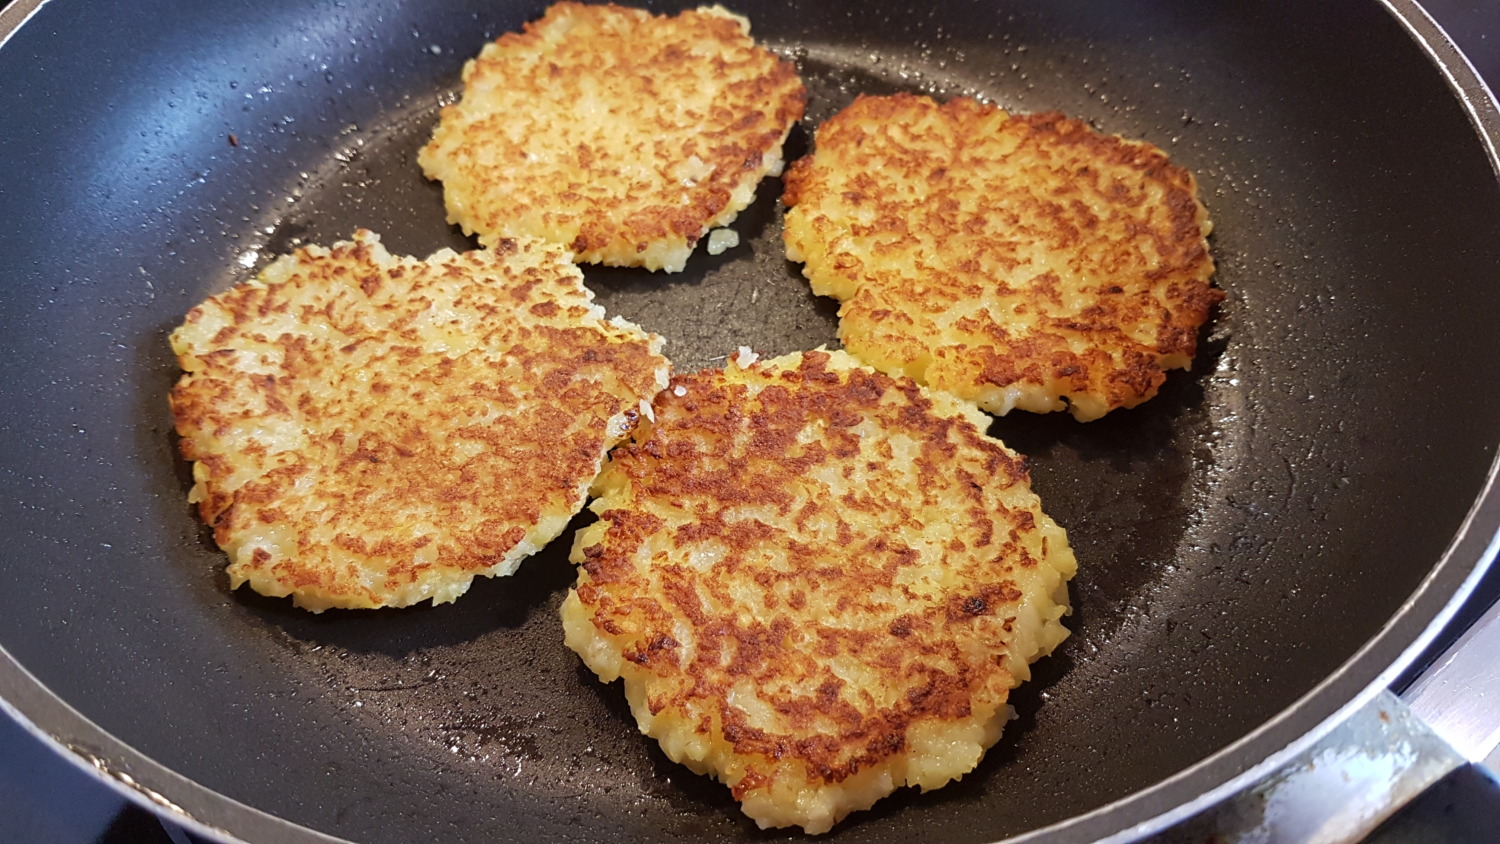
x=1260 y=531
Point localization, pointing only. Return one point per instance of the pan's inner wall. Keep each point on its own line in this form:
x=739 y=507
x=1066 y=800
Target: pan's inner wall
x=1240 y=536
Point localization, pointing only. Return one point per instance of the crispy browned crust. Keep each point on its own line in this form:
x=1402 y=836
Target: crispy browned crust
x=373 y=431
x=1014 y=260
x=851 y=519
x=620 y=134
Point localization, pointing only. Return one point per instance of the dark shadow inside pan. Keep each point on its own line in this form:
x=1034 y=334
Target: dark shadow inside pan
x=490 y=604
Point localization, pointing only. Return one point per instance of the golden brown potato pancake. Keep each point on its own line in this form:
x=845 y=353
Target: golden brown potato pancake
x=374 y=431
x=1012 y=260
x=818 y=583
x=623 y=135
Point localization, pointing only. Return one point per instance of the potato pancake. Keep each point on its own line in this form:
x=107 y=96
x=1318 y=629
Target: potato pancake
x=622 y=135
x=819 y=583
x=1012 y=260
x=374 y=431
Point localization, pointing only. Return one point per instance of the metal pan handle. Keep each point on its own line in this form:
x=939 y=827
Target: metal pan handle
x=1343 y=787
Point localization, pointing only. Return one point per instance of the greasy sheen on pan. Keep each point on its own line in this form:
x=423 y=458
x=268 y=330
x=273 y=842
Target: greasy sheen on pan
x=623 y=135
x=819 y=583
x=1012 y=260
x=374 y=431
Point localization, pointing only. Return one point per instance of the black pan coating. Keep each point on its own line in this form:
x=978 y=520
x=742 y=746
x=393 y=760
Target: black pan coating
x=1240 y=537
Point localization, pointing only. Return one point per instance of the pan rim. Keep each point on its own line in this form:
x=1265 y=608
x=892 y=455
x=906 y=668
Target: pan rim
x=15 y=15
x=1468 y=556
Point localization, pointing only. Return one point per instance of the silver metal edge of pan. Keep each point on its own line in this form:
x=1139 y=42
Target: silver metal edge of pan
x=1473 y=549
x=15 y=14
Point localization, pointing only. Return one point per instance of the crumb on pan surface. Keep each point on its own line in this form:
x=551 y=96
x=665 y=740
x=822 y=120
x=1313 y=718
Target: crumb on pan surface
x=372 y=430
x=622 y=135
x=818 y=583
x=1013 y=260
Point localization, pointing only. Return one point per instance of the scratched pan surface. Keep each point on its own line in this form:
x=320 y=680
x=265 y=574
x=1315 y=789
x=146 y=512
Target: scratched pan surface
x=1260 y=531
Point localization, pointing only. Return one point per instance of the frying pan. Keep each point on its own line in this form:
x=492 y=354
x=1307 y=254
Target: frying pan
x=1262 y=547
